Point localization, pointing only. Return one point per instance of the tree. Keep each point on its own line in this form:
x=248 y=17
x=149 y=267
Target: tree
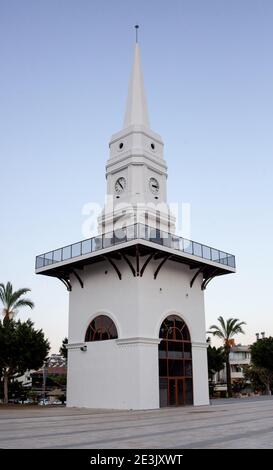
x=13 y=300
x=21 y=348
x=63 y=348
x=57 y=380
x=216 y=360
x=256 y=375
x=226 y=331
x=262 y=358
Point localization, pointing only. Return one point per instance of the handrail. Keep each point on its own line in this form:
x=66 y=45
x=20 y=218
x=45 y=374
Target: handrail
x=130 y=233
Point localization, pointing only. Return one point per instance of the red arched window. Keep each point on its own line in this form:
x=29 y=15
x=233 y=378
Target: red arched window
x=101 y=329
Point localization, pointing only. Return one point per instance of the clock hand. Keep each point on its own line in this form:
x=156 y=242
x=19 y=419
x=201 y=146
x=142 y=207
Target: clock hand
x=120 y=184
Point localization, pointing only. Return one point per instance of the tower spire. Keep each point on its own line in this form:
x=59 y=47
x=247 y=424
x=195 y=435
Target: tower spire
x=136 y=28
x=136 y=109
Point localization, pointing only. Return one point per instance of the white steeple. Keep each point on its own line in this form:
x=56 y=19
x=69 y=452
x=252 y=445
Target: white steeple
x=136 y=171
x=136 y=110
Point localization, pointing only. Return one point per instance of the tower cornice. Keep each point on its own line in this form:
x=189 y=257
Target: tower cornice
x=137 y=157
x=136 y=130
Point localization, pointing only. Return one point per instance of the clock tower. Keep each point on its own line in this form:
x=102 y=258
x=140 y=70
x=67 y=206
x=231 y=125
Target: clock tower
x=136 y=172
x=137 y=333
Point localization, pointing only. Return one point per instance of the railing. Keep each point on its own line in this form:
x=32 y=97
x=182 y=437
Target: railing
x=133 y=232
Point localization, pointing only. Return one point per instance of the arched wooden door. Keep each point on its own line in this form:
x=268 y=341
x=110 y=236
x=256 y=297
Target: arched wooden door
x=175 y=363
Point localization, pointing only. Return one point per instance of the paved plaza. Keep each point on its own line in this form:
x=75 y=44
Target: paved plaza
x=240 y=423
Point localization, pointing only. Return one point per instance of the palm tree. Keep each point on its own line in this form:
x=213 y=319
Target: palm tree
x=13 y=300
x=226 y=331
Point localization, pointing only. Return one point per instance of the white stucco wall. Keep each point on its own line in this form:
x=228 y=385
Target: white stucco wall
x=111 y=376
x=123 y=374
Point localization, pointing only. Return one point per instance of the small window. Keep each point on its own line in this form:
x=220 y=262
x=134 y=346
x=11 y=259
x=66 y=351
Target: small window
x=101 y=329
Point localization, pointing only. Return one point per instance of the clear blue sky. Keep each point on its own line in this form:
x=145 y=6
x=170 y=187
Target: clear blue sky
x=208 y=73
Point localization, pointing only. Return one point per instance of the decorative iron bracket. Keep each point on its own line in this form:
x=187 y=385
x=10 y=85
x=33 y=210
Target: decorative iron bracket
x=137 y=260
x=208 y=279
x=114 y=265
x=195 y=276
x=145 y=264
x=161 y=264
x=128 y=262
x=78 y=277
x=66 y=282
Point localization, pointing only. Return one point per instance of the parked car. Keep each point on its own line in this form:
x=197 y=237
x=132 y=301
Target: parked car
x=44 y=402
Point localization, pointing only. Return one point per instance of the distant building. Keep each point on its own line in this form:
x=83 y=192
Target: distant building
x=56 y=360
x=25 y=379
x=239 y=357
x=51 y=375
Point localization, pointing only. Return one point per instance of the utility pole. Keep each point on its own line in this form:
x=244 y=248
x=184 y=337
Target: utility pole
x=44 y=381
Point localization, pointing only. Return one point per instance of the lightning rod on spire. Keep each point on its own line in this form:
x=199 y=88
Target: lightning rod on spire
x=136 y=27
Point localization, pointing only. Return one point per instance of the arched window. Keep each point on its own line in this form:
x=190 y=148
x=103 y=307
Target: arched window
x=175 y=362
x=101 y=329
x=174 y=328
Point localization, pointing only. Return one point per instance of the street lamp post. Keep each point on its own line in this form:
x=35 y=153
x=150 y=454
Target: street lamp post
x=44 y=381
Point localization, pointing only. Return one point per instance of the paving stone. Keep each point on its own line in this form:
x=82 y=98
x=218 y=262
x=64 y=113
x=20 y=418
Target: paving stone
x=234 y=424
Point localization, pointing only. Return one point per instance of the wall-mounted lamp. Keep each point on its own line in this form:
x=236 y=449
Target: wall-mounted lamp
x=75 y=346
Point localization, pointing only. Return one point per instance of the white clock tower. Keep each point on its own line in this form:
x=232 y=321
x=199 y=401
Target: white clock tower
x=136 y=171
x=137 y=335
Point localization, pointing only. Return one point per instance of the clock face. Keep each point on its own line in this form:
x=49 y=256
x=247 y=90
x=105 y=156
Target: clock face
x=154 y=185
x=120 y=185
